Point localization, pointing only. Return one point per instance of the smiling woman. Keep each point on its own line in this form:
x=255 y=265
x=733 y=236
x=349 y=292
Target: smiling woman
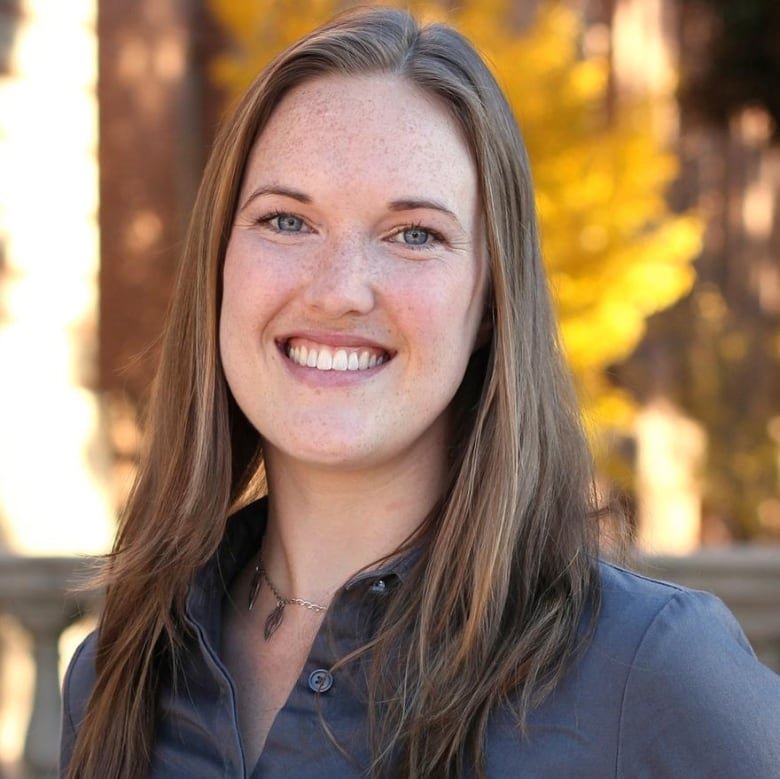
x=413 y=589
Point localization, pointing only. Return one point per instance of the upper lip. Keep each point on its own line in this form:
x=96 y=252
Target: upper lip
x=335 y=340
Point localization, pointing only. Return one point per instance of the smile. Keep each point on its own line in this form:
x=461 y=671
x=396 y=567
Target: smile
x=324 y=358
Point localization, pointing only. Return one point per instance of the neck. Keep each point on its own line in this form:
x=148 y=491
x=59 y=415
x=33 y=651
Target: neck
x=325 y=525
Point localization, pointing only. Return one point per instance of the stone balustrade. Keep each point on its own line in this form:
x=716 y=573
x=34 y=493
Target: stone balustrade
x=38 y=594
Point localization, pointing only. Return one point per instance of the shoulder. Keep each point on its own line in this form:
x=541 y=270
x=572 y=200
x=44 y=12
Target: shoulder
x=664 y=684
x=76 y=688
x=695 y=700
x=654 y=618
x=636 y=609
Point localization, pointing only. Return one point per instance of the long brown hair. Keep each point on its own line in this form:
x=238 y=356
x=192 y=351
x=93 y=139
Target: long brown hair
x=490 y=613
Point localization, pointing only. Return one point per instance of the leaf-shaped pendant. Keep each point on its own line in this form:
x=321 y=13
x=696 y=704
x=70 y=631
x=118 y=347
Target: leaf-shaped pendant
x=273 y=620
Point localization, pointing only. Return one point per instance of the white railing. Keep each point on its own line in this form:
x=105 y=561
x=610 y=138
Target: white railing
x=38 y=594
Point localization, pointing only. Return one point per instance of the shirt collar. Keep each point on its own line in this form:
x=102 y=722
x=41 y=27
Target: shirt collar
x=243 y=535
x=396 y=568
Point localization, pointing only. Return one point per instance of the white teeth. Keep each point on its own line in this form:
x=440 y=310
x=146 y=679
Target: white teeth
x=340 y=361
x=323 y=359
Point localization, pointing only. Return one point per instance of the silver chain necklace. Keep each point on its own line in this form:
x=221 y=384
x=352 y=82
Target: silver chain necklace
x=274 y=619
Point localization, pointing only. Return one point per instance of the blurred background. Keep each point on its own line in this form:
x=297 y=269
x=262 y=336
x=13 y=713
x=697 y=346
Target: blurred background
x=654 y=133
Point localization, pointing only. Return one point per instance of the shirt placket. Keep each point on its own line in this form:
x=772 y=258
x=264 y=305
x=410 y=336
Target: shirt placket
x=321 y=731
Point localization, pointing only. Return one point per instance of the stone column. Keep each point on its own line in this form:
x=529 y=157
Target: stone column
x=37 y=593
x=671 y=451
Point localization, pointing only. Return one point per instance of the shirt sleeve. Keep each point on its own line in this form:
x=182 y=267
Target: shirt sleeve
x=76 y=688
x=697 y=703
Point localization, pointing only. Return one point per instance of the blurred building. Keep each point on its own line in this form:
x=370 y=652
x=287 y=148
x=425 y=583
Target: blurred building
x=54 y=458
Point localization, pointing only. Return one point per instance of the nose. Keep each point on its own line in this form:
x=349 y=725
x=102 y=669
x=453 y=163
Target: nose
x=340 y=282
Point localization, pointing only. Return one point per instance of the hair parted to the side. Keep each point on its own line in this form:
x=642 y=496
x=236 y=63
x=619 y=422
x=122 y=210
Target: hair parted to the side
x=490 y=613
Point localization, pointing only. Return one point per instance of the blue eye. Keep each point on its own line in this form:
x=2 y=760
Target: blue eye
x=416 y=236
x=287 y=223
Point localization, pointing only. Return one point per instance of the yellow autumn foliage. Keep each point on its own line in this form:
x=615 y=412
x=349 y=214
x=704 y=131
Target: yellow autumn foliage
x=614 y=252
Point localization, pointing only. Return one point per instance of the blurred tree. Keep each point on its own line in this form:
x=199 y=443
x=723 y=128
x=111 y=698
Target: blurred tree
x=716 y=353
x=742 y=63
x=614 y=251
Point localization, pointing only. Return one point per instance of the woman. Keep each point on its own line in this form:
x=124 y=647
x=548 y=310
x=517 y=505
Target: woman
x=362 y=328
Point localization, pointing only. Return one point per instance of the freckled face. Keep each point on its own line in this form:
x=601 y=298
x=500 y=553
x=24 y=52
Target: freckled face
x=355 y=275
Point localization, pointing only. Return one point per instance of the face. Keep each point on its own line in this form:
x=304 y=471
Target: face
x=355 y=276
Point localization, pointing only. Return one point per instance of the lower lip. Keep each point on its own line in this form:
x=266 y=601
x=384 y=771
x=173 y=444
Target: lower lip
x=318 y=378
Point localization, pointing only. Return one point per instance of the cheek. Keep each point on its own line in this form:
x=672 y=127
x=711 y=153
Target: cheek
x=254 y=285
x=241 y=312
x=229 y=311
x=459 y=307
x=445 y=316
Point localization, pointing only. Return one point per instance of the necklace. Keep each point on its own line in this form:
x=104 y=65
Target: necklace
x=274 y=619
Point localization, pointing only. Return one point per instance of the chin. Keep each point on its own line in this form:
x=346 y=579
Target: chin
x=339 y=453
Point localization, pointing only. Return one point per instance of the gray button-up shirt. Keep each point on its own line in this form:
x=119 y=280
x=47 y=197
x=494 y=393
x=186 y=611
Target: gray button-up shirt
x=667 y=687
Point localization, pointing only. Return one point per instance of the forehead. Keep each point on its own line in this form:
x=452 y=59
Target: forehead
x=353 y=127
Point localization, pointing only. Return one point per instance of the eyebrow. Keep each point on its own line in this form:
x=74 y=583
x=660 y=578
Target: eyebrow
x=301 y=197
x=409 y=204
x=403 y=204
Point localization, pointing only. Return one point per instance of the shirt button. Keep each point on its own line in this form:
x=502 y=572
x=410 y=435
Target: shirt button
x=320 y=680
x=379 y=587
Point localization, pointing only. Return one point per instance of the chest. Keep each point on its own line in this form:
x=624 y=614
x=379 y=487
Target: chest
x=241 y=718
x=264 y=671
x=286 y=708
x=320 y=731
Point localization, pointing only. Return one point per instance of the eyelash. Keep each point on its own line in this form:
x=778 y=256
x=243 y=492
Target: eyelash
x=268 y=219
x=436 y=236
